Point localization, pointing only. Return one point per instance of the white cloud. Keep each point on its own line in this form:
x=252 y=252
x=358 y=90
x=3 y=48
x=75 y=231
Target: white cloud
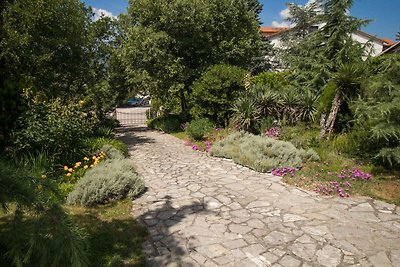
x=98 y=12
x=280 y=24
x=285 y=14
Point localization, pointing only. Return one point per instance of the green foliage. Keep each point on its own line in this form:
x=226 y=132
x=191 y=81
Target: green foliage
x=215 y=91
x=273 y=80
x=378 y=110
x=261 y=153
x=246 y=114
x=166 y=51
x=55 y=49
x=301 y=135
x=328 y=94
x=314 y=56
x=95 y=145
x=198 y=128
x=287 y=104
x=169 y=123
x=52 y=127
x=112 y=152
x=45 y=237
x=109 y=181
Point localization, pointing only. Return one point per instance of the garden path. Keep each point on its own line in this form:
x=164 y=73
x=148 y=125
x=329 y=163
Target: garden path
x=205 y=211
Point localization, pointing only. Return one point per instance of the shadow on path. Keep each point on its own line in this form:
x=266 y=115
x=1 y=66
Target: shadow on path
x=164 y=220
x=130 y=135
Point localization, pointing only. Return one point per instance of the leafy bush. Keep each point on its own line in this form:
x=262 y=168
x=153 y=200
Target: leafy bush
x=54 y=128
x=198 y=128
x=273 y=80
x=111 y=180
x=262 y=154
x=112 y=152
x=169 y=123
x=215 y=91
x=96 y=144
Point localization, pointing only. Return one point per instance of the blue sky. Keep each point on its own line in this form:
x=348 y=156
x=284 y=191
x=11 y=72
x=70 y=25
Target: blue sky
x=384 y=13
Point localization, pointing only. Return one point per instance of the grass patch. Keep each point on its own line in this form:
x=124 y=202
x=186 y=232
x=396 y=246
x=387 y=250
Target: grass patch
x=211 y=137
x=115 y=238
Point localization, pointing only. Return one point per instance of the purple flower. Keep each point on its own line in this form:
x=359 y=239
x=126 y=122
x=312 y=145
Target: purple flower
x=195 y=147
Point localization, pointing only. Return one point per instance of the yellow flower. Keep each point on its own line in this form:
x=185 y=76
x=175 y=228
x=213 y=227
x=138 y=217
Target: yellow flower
x=86 y=158
x=91 y=166
x=65 y=168
x=70 y=170
x=69 y=174
x=43 y=176
x=94 y=157
x=81 y=102
x=85 y=167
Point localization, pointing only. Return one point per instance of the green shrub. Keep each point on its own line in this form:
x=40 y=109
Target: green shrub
x=169 y=123
x=215 y=91
x=112 y=152
x=54 y=128
x=273 y=80
x=96 y=144
x=198 y=128
x=110 y=180
x=261 y=153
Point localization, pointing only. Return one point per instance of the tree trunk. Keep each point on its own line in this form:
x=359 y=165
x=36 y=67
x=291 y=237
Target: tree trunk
x=328 y=125
x=183 y=102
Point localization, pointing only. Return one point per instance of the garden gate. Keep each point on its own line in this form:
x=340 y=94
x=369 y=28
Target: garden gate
x=131 y=116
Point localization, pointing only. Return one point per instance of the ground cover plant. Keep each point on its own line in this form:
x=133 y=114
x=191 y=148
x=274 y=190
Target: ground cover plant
x=261 y=153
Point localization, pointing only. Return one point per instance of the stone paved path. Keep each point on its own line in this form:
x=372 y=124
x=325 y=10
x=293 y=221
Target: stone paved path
x=204 y=211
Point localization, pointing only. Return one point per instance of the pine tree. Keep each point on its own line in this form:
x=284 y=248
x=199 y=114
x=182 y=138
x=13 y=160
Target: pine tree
x=398 y=36
x=378 y=113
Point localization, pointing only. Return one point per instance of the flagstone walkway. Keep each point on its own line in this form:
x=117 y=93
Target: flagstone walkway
x=205 y=211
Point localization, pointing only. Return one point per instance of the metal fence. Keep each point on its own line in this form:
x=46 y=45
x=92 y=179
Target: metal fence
x=131 y=116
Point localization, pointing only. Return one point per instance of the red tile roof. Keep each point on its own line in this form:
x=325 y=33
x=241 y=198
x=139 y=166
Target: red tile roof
x=268 y=31
x=387 y=41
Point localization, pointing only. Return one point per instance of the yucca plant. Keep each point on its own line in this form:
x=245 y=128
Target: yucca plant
x=246 y=114
x=309 y=105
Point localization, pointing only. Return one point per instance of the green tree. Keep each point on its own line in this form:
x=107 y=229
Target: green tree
x=215 y=92
x=377 y=113
x=180 y=39
x=329 y=53
x=398 y=36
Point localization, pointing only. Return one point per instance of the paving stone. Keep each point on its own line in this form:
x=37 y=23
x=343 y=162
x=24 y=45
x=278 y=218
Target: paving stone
x=289 y=261
x=278 y=238
x=239 y=229
x=232 y=244
x=329 y=256
x=212 y=251
x=380 y=260
x=292 y=218
x=395 y=257
x=304 y=251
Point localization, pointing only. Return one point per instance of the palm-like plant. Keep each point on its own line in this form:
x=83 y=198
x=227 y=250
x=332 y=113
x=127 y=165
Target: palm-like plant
x=309 y=105
x=347 y=79
x=246 y=114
